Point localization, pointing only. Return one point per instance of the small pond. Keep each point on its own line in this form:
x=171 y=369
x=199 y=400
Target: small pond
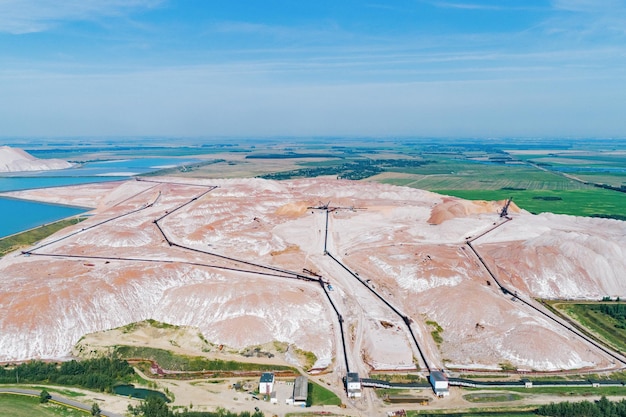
x=141 y=393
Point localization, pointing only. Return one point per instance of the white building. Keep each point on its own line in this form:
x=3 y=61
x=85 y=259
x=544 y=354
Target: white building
x=439 y=383
x=353 y=385
x=266 y=384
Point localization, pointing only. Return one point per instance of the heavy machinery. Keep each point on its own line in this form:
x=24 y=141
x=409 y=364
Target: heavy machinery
x=505 y=210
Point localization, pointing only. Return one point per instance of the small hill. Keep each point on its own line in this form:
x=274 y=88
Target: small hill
x=17 y=160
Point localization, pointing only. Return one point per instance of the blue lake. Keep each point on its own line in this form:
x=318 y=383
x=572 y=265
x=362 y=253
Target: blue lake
x=19 y=215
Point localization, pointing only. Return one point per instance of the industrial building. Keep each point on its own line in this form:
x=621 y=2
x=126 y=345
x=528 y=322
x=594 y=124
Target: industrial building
x=353 y=385
x=266 y=384
x=439 y=383
x=300 y=391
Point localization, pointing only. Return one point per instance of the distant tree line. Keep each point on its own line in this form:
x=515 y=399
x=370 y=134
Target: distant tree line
x=97 y=374
x=601 y=408
x=291 y=155
x=355 y=170
x=621 y=188
x=157 y=407
x=610 y=216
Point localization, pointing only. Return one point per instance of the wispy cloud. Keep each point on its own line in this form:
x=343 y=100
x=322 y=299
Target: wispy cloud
x=590 y=6
x=587 y=20
x=480 y=6
x=28 y=16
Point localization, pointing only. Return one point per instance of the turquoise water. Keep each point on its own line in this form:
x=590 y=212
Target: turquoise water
x=19 y=215
x=27 y=183
x=101 y=170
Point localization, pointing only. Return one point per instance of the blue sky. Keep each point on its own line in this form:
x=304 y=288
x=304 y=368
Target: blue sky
x=427 y=68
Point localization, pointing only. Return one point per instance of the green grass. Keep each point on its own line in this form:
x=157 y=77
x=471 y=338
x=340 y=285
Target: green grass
x=469 y=413
x=64 y=392
x=309 y=357
x=383 y=392
x=27 y=406
x=568 y=391
x=492 y=397
x=398 y=377
x=436 y=332
x=530 y=187
x=312 y=413
x=318 y=395
x=599 y=323
x=582 y=202
x=171 y=361
x=28 y=238
x=452 y=174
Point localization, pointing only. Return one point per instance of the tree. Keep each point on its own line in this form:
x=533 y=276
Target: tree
x=95 y=410
x=153 y=406
x=44 y=396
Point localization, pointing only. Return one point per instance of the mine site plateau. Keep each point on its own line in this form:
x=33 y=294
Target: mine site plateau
x=370 y=278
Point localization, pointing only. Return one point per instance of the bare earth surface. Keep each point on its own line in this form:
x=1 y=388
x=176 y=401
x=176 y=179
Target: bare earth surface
x=17 y=160
x=227 y=272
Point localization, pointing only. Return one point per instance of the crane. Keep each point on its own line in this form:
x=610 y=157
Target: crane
x=330 y=208
x=505 y=210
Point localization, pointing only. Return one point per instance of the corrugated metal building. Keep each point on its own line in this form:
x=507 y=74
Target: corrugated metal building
x=439 y=383
x=300 y=390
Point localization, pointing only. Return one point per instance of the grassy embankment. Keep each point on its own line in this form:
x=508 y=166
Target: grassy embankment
x=477 y=412
x=492 y=397
x=29 y=237
x=27 y=406
x=606 y=328
x=192 y=364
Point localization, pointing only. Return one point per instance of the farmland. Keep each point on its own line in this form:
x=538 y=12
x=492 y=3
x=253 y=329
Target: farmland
x=563 y=177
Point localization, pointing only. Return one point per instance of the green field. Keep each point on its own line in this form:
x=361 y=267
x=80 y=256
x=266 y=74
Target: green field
x=490 y=397
x=582 y=202
x=543 y=175
x=28 y=238
x=569 y=391
x=26 y=406
x=174 y=362
x=473 y=413
x=532 y=189
x=609 y=329
x=318 y=395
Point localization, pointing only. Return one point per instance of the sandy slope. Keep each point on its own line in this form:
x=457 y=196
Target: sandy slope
x=17 y=160
x=409 y=243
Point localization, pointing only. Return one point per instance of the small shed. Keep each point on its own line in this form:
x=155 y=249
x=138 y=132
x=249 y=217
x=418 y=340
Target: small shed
x=300 y=390
x=266 y=384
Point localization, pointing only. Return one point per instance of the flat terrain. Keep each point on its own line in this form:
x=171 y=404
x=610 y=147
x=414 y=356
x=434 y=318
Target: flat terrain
x=26 y=406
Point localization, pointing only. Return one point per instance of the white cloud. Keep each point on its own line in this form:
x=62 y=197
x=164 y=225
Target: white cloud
x=27 y=16
x=590 y=6
x=480 y=6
